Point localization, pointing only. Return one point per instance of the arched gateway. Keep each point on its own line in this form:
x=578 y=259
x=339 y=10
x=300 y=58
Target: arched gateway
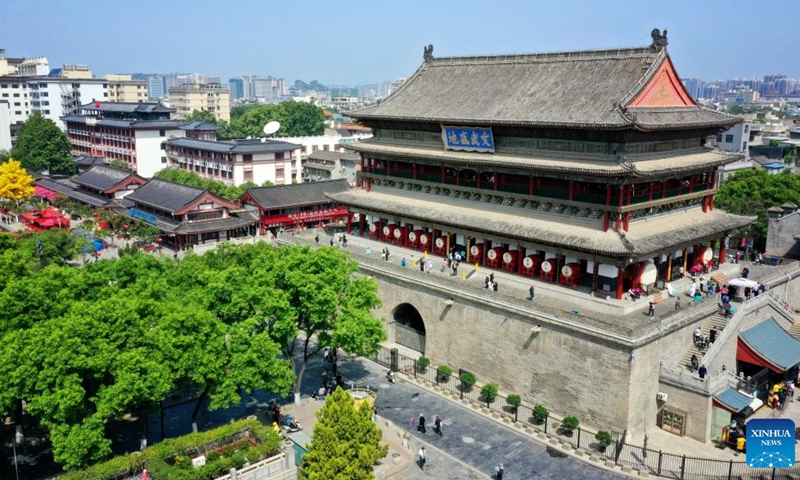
x=409 y=329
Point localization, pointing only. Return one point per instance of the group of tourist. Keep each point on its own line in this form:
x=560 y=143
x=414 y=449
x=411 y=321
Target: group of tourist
x=780 y=394
x=695 y=366
x=490 y=283
x=703 y=341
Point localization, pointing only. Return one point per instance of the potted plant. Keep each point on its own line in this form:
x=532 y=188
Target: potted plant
x=568 y=425
x=540 y=414
x=422 y=364
x=603 y=440
x=467 y=380
x=443 y=374
x=489 y=393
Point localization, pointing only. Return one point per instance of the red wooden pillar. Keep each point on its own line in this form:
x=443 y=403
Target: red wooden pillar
x=620 y=278
x=680 y=186
x=691 y=184
x=721 y=251
x=571 y=189
x=663 y=189
x=711 y=203
x=458 y=177
x=705 y=204
x=349 y=223
x=595 y=275
x=668 y=275
x=369 y=185
x=618 y=223
x=521 y=252
x=627 y=220
x=530 y=185
x=559 y=264
x=442 y=174
x=414 y=171
x=651 y=190
x=362 y=224
x=496 y=179
x=605 y=222
x=388 y=168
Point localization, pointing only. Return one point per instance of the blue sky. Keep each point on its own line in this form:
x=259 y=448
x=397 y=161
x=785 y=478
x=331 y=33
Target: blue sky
x=348 y=42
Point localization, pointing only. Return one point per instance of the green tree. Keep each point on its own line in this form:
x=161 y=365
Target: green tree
x=251 y=124
x=41 y=146
x=296 y=119
x=119 y=163
x=752 y=192
x=186 y=177
x=5 y=155
x=203 y=116
x=346 y=442
x=302 y=119
x=735 y=109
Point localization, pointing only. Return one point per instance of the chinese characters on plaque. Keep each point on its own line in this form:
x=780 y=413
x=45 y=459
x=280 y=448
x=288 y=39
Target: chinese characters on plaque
x=471 y=139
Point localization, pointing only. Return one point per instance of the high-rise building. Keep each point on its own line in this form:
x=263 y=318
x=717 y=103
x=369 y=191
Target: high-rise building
x=57 y=97
x=207 y=97
x=157 y=87
x=695 y=87
x=236 y=87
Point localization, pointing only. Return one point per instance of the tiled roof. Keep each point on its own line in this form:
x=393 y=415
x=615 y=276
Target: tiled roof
x=70 y=190
x=645 y=237
x=334 y=156
x=88 y=161
x=102 y=177
x=106 y=122
x=297 y=194
x=166 y=195
x=772 y=343
x=735 y=400
x=234 y=146
x=128 y=107
x=583 y=89
x=200 y=125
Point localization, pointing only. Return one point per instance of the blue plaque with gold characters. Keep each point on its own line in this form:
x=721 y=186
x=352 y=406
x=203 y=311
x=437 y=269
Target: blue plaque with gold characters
x=469 y=139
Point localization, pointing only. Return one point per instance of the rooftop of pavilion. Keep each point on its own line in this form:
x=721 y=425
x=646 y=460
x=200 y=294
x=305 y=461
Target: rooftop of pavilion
x=616 y=89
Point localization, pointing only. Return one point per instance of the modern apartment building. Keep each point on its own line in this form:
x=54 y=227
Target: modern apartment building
x=735 y=139
x=236 y=87
x=57 y=97
x=14 y=91
x=157 y=87
x=208 y=97
x=5 y=126
x=237 y=161
x=121 y=88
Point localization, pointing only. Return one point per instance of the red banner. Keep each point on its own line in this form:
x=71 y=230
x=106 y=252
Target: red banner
x=308 y=216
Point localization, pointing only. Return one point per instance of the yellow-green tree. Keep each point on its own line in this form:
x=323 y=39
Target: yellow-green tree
x=15 y=183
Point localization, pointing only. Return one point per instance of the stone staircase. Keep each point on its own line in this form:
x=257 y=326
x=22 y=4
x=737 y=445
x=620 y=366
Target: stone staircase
x=719 y=278
x=794 y=330
x=717 y=320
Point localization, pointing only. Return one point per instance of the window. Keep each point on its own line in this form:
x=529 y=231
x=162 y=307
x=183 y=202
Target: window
x=326 y=147
x=163 y=159
x=248 y=176
x=719 y=138
x=15 y=85
x=17 y=112
x=16 y=95
x=314 y=149
x=746 y=128
x=728 y=138
x=162 y=133
x=5 y=95
x=44 y=94
x=247 y=157
x=302 y=150
x=4 y=85
x=46 y=112
x=279 y=156
x=744 y=145
x=16 y=104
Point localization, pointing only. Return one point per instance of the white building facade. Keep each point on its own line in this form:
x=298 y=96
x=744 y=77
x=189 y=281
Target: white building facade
x=735 y=139
x=59 y=97
x=235 y=162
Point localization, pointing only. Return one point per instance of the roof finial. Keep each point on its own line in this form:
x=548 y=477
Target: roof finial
x=659 y=40
x=427 y=54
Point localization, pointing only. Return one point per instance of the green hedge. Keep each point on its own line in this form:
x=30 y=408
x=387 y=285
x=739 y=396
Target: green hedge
x=158 y=458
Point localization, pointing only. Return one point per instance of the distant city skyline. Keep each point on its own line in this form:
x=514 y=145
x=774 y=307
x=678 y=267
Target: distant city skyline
x=363 y=46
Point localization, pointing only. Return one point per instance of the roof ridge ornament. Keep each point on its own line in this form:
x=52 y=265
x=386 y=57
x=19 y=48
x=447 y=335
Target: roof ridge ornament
x=659 y=40
x=427 y=54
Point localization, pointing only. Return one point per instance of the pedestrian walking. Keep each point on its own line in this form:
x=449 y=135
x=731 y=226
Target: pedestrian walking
x=680 y=271
x=531 y=293
x=677 y=304
x=421 y=424
x=387 y=254
x=325 y=379
x=375 y=413
x=334 y=369
x=422 y=458
x=703 y=371
x=486 y=283
x=331 y=241
x=369 y=252
x=429 y=265
x=651 y=312
x=494 y=286
x=437 y=426
x=325 y=354
x=500 y=470
x=316 y=239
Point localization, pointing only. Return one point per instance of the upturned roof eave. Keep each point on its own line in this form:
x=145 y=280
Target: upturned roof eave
x=623 y=125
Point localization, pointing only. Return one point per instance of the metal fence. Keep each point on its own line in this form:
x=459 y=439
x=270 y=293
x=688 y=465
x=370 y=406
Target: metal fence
x=623 y=454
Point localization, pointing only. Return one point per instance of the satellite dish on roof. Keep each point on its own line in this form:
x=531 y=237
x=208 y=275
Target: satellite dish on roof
x=272 y=127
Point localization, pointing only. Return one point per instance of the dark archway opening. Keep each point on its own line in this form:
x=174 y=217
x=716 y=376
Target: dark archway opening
x=409 y=327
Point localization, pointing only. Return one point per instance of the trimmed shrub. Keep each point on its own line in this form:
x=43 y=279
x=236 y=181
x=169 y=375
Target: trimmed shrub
x=467 y=380
x=443 y=373
x=569 y=424
x=514 y=401
x=540 y=414
x=603 y=440
x=212 y=456
x=238 y=459
x=423 y=363
x=489 y=393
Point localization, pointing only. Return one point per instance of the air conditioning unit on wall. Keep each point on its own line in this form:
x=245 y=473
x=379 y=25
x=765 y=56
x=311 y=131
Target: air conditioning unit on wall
x=661 y=397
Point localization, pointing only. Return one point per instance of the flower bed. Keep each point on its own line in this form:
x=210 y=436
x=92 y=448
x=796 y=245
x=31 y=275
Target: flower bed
x=228 y=446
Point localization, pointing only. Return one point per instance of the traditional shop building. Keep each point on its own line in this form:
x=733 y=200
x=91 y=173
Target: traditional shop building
x=97 y=187
x=296 y=207
x=588 y=169
x=187 y=216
